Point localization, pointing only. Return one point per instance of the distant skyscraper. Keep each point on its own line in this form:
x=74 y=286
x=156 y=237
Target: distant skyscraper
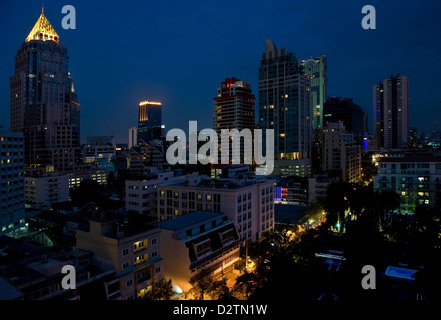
x=316 y=70
x=44 y=105
x=233 y=108
x=133 y=137
x=285 y=106
x=378 y=115
x=353 y=117
x=149 y=121
x=396 y=111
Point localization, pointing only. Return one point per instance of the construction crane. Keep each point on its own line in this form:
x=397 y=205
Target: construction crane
x=111 y=135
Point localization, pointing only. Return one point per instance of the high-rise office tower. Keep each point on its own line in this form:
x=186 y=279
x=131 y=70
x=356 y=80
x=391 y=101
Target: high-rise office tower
x=149 y=121
x=353 y=117
x=44 y=105
x=285 y=106
x=395 y=110
x=233 y=108
x=316 y=70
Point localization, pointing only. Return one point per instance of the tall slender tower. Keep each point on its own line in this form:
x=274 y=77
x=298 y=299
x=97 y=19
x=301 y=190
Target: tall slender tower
x=391 y=112
x=396 y=111
x=44 y=105
x=133 y=137
x=316 y=70
x=378 y=115
x=285 y=106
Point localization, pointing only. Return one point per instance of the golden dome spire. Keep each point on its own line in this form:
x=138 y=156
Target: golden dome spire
x=43 y=30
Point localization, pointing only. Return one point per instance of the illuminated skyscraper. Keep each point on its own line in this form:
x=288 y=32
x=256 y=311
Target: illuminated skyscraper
x=44 y=105
x=233 y=108
x=149 y=121
x=285 y=106
x=316 y=70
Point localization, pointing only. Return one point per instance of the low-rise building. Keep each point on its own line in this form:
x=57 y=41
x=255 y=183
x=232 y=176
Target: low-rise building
x=101 y=155
x=318 y=185
x=86 y=172
x=291 y=190
x=131 y=246
x=141 y=193
x=44 y=187
x=198 y=244
x=249 y=202
x=417 y=179
x=29 y=272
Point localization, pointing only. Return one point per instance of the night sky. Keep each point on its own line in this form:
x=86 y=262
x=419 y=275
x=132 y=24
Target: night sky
x=178 y=52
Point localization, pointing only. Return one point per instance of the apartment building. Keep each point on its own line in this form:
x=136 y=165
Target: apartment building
x=44 y=186
x=417 y=179
x=198 y=244
x=248 y=202
x=341 y=153
x=132 y=247
x=141 y=193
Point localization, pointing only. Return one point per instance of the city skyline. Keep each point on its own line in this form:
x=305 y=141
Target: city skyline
x=308 y=172
x=182 y=70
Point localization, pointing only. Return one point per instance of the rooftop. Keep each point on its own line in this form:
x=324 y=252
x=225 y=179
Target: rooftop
x=43 y=30
x=412 y=159
x=189 y=219
x=218 y=183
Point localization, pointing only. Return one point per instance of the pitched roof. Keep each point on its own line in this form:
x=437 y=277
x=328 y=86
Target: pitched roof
x=43 y=30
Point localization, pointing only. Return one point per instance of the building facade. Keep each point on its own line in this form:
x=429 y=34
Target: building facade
x=341 y=153
x=149 y=121
x=353 y=117
x=198 y=244
x=43 y=187
x=141 y=193
x=391 y=112
x=378 y=93
x=417 y=179
x=233 y=108
x=396 y=111
x=133 y=137
x=44 y=105
x=87 y=172
x=285 y=107
x=316 y=69
x=134 y=251
x=249 y=203
x=12 y=175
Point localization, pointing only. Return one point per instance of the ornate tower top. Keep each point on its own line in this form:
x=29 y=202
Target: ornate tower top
x=43 y=30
